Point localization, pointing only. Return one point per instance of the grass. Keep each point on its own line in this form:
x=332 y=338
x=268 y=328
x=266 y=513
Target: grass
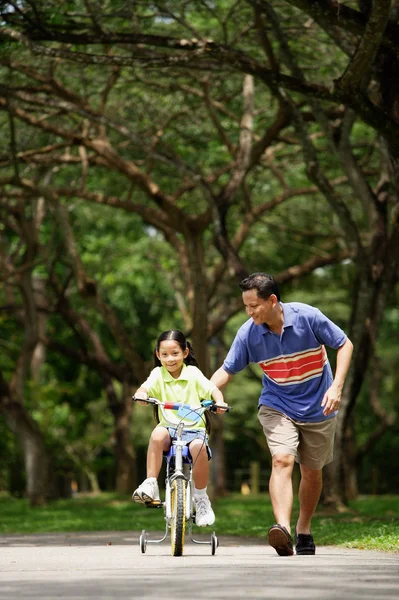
x=371 y=522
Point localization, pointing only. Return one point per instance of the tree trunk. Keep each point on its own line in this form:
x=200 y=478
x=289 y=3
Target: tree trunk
x=35 y=455
x=373 y=286
x=199 y=309
x=126 y=468
x=349 y=461
x=17 y=417
x=218 y=457
x=39 y=352
x=126 y=474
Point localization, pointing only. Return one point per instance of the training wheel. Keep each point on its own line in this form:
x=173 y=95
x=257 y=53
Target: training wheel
x=214 y=543
x=143 y=541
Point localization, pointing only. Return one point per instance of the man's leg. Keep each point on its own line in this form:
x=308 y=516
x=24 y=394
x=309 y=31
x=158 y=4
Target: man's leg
x=282 y=437
x=280 y=488
x=309 y=495
x=281 y=495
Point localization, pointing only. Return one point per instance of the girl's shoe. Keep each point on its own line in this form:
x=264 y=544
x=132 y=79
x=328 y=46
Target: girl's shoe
x=147 y=491
x=204 y=514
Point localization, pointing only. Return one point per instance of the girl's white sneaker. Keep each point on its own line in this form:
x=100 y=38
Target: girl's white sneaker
x=147 y=491
x=204 y=514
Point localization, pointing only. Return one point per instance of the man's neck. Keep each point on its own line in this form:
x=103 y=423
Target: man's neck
x=277 y=324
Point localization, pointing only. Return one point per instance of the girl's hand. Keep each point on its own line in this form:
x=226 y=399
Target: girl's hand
x=141 y=395
x=221 y=407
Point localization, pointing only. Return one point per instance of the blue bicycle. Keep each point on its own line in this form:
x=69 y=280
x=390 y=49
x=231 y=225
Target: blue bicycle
x=179 y=507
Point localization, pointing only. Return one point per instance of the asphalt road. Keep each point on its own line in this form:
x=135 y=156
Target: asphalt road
x=110 y=565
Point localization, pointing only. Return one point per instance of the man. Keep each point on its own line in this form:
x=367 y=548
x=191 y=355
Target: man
x=299 y=400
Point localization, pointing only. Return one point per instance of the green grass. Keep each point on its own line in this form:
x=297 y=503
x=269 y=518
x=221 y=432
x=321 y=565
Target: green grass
x=371 y=522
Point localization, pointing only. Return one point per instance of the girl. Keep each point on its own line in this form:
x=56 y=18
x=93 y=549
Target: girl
x=177 y=378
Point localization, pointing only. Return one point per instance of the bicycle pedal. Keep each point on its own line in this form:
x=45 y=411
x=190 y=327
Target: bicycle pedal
x=154 y=504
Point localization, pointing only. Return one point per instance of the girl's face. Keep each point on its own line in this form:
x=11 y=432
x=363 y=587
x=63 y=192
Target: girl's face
x=171 y=356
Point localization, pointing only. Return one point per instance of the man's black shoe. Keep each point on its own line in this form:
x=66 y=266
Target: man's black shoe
x=304 y=543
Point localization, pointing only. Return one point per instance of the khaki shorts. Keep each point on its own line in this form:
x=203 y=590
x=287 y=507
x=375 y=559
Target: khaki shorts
x=312 y=444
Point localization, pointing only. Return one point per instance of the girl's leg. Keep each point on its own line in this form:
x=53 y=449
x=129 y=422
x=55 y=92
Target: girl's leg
x=159 y=443
x=199 y=455
x=204 y=514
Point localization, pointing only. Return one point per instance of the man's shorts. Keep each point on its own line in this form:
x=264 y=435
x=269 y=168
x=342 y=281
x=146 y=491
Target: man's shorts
x=189 y=435
x=312 y=444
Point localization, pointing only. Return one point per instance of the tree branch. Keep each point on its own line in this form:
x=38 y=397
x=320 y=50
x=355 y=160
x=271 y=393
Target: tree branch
x=209 y=56
x=333 y=13
x=358 y=72
x=289 y=274
x=13 y=141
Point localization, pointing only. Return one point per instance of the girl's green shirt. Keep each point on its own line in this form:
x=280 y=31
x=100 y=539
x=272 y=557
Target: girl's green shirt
x=189 y=388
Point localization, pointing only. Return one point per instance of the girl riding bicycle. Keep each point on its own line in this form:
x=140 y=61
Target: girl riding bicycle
x=177 y=378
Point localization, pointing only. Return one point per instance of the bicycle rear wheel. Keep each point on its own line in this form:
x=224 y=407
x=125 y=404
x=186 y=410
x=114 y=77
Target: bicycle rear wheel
x=178 y=520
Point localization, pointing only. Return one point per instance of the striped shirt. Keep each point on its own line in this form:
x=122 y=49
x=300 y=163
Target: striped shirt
x=296 y=370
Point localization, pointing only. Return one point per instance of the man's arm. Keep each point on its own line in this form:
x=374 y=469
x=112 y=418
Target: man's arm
x=332 y=397
x=221 y=378
x=344 y=355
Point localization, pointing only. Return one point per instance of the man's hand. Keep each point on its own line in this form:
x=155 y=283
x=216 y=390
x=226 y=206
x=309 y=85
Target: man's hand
x=332 y=400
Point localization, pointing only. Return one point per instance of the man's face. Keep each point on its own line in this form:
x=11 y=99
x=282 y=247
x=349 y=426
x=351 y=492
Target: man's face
x=258 y=309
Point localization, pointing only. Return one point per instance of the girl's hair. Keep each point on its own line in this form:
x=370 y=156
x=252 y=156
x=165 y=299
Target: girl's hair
x=176 y=336
x=179 y=337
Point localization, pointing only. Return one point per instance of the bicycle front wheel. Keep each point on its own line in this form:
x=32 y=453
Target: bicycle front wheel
x=178 y=520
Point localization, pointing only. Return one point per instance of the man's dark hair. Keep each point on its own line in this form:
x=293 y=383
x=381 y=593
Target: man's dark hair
x=263 y=283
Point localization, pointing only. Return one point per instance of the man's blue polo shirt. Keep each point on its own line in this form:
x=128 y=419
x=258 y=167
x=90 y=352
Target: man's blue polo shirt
x=295 y=365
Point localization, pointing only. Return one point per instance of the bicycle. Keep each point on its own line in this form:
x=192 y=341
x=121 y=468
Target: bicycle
x=179 y=509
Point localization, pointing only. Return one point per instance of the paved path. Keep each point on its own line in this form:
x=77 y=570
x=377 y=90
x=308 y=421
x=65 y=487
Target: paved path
x=108 y=566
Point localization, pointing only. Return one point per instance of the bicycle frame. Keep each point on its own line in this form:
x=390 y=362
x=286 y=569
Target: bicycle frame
x=177 y=450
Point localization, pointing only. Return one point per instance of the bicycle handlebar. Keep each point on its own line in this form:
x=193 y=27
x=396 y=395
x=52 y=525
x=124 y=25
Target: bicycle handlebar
x=205 y=404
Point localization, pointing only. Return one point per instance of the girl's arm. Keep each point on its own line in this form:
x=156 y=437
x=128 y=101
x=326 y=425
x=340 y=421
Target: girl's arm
x=149 y=385
x=142 y=393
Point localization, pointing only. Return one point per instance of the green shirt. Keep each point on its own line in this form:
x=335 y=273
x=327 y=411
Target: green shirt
x=190 y=388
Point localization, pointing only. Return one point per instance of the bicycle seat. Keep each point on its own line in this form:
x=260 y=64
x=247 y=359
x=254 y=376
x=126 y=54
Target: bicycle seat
x=172 y=452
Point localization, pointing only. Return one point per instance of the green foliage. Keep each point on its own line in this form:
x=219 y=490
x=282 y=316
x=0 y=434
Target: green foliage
x=177 y=129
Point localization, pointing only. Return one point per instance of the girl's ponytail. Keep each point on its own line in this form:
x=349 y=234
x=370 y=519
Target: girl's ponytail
x=190 y=358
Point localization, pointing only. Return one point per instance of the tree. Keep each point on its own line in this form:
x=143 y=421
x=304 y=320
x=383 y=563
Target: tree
x=209 y=204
